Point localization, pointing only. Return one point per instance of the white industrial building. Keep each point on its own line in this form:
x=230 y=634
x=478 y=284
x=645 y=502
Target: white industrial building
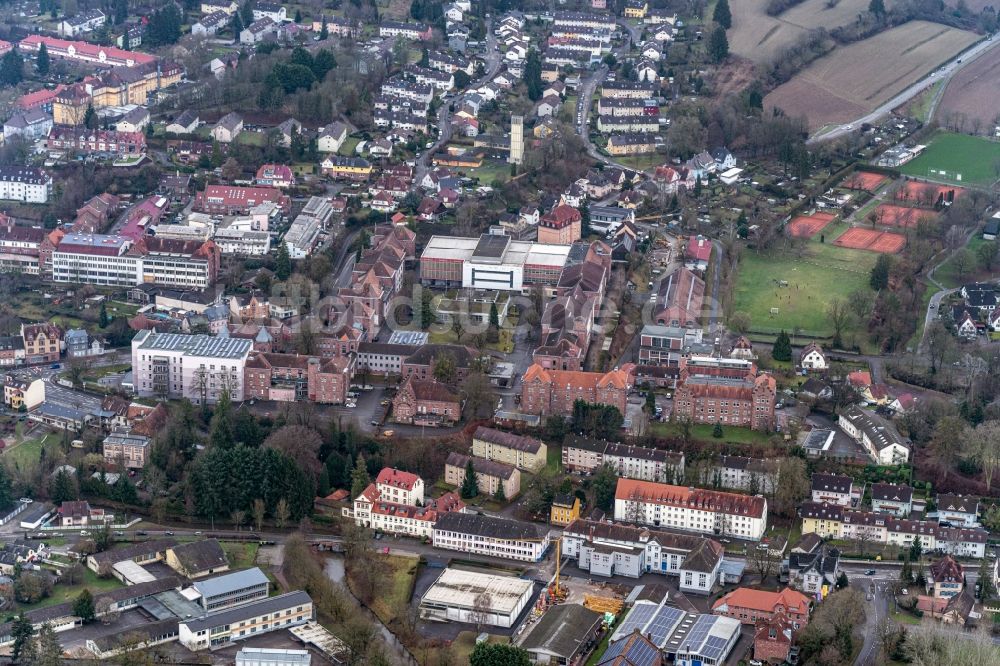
x=197 y=367
x=453 y=598
x=232 y=589
x=27 y=184
x=220 y=629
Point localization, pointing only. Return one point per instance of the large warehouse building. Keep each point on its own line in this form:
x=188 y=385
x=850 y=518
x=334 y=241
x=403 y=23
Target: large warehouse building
x=491 y=262
x=453 y=598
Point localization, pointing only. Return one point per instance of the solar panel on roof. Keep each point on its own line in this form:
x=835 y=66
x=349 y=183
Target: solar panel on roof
x=636 y=619
x=663 y=624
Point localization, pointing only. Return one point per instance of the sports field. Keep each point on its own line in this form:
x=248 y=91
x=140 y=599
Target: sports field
x=826 y=272
x=871 y=239
x=925 y=194
x=864 y=180
x=902 y=216
x=807 y=226
x=956 y=158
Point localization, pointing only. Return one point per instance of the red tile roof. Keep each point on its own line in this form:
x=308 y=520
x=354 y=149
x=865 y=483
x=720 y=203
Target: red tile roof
x=682 y=496
x=397 y=478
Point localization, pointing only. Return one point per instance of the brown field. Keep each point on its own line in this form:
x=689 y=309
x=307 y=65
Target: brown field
x=807 y=226
x=973 y=93
x=924 y=194
x=856 y=79
x=863 y=180
x=760 y=37
x=901 y=216
x=870 y=239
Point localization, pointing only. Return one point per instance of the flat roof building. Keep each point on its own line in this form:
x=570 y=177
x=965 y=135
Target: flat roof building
x=491 y=262
x=197 y=367
x=454 y=594
x=251 y=656
x=220 y=629
x=232 y=589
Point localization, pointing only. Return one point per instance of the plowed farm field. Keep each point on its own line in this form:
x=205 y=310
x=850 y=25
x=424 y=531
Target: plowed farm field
x=762 y=38
x=855 y=79
x=973 y=94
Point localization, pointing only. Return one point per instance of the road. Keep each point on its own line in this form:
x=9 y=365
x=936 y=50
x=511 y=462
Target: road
x=944 y=73
x=493 y=64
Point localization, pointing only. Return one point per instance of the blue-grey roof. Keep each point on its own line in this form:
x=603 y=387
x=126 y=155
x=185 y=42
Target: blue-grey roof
x=193 y=345
x=59 y=411
x=74 y=335
x=237 y=580
x=269 y=656
x=242 y=613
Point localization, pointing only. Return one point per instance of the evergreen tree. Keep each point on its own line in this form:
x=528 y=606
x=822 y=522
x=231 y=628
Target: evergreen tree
x=83 y=606
x=298 y=16
x=246 y=12
x=842 y=581
x=500 y=495
x=697 y=185
x=494 y=316
x=585 y=229
x=6 y=492
x=782 y=349
x=717 y=430
x=986 y=588
x=906 y=572
x=42 y=61
x=499 y=654
x=121 y=11
x=470 y=484
x=104 y=321
x=877 y=7
x=221 y=431
x=650 y=405
x=426 y=312
x=11 y=68
x=238 y=26
x=722 y=15
x=283 y=265
x=21 y=631
x=533 y=75
x=718 y=45
x=359 y=477
x=324 y=31
x=62 y=488
x=90 y=119
x=879 y=278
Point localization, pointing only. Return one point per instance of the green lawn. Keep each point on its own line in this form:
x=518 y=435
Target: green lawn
x=347 y=148
x=241 y=555
x=963 y=158
x=63 y=593
x=949 y=277
x=703 y=433
x=640 y=162
x=489 y=172
x=402 y=572
x=28 y=452
x=247 y=138
x=826 y=272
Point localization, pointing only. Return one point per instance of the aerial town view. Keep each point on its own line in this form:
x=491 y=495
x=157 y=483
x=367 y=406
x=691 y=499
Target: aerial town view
x=500 y=332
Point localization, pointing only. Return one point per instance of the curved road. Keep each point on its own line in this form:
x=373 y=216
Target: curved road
x=944 y=73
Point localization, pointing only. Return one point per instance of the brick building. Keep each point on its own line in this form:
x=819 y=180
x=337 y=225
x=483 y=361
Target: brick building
x=725 y=391
x=426 y=402
x=545 y=392
x=560 y=226
x=751 y=606
x=294 y=378
x=772 y=639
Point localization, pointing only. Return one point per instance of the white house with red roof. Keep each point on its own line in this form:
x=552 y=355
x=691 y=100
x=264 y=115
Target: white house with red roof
x=398 y=486
x=275 y=175
x=698 y=252
x=394 y=503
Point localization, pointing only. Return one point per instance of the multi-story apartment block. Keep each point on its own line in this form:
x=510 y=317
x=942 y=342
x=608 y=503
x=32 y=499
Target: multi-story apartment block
x=42 y=342
x=753 y=475
x=346 y=168
x=892 y=498
x=414 y=31
x=692 y=509
x=71 y=26
x=954 y=509
x=20 y=247
x=525 y=453
x=11 y=350
x=546 y=392
x=395 y=503
x=242 y=242
x=495 y=537
x=226 y=627
x=27 y=184
x=491 y=476
x=583 y=454
x=196 y=367
x=86 y=52
x=831 y=520
x=833 y=489
x=129 y=450
x=608 y=549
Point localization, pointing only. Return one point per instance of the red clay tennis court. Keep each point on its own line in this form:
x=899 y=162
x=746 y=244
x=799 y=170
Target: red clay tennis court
x=925 y=194
x=807 y=226
x=857 y=238
x=864 y=180
x=901 y=216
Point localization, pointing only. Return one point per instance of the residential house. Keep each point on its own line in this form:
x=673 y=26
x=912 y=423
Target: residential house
x=834 y=489
x=42 y=342
x=275 y=175
x=877 y=435
x=485 y=535
x=892 y=499
x=259 y=31
x=491 y=476
x=23 y=394
x=228 y=128
x=773 y=638
x=331 y=137
x=124 y=448
x=80 y=514
x=426 y=402
x=946 y=578
x=750 y=606
x=958 y=510
x=814 y=573
x=812 y=358
x=565 y=510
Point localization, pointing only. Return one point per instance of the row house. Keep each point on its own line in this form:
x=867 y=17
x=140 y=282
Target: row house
x=752 y=475
x=627 y=123
x=546 y=392
x=835 y=489
x=958 y=509
x=337 y=26
x=589 y=20
x=435 y=78
x=411 y=31
x=400 y=120
x=97 y=141
x=418 y=92
x=11 y=350
x=584 y=454
x=632 y=143
x=830 y=520
x=450 y=63
x=627 y=107
x=624 y=89
x=85 y=52
x=691 y=509
x=298 y=378
x=346 y=168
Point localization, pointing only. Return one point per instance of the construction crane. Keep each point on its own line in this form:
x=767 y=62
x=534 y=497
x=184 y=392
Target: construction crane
x=554 y=589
